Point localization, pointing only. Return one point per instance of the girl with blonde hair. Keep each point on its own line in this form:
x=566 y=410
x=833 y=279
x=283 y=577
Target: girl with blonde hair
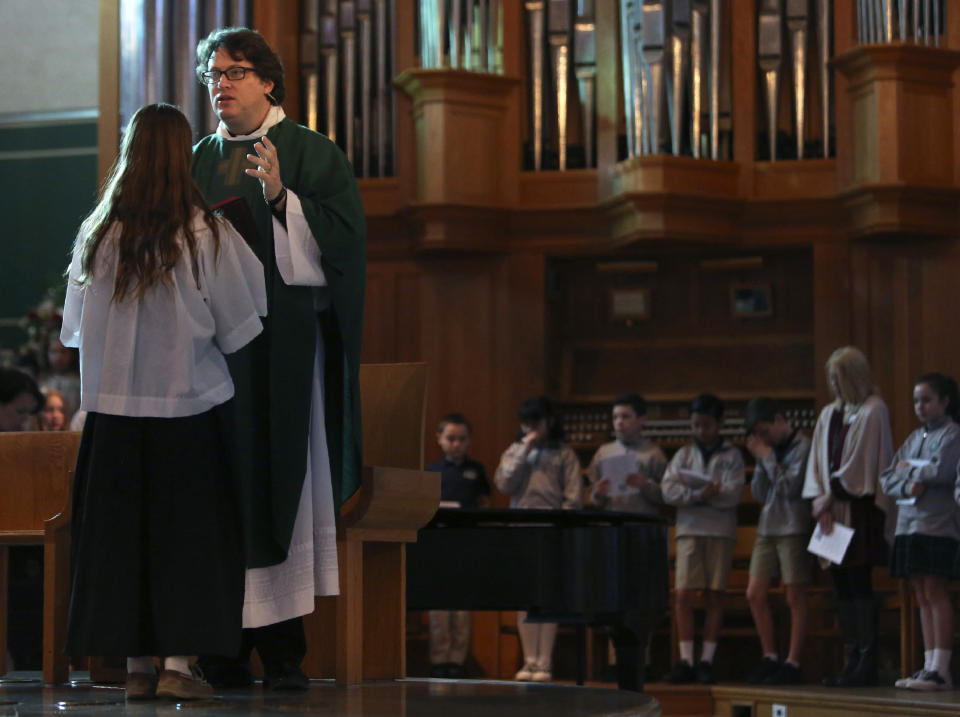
x=851 y=447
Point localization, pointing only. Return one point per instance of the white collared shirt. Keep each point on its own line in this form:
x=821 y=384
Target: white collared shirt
x=161 y=355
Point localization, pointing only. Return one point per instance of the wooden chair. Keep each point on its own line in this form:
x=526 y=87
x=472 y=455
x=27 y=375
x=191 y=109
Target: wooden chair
x=360 y=634
x=36 y=473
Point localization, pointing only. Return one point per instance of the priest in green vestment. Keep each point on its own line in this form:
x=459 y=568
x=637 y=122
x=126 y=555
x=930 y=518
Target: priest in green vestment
x=297 y=404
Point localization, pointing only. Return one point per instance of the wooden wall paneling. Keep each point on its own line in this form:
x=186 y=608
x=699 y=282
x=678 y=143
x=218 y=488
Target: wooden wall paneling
x=519 y=349
x=407 y=315
x=279 y=23
x=953 y=41
x=485 y=643
x=939 y=342
x=459 y=328
x=832 y=308
x=320 y=628
x=379 y=321
x=744 y=89
x=904 y=346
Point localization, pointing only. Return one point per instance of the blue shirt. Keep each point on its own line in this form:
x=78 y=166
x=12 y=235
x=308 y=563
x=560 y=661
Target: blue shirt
x=463 y=483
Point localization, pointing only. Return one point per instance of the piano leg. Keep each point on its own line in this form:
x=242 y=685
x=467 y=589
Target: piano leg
x=581 y=652
x=631 y=648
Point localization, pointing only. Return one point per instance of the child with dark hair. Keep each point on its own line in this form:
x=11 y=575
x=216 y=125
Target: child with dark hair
x=780 y=452
x=539 y=471
x=705 y=481
x=921 y=479
x=629 y=415
x=463 y=483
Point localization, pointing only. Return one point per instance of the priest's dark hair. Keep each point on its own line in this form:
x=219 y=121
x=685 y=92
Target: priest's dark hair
x=152 y=200
x=242 y=43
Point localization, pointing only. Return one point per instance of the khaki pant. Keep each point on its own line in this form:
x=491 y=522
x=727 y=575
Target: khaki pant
x=450 y=636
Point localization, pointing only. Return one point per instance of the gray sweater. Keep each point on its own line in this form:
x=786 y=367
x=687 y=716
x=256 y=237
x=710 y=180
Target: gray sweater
x=777 y=484
x=544 y=478
x=650 y=463
x=935 y=511
x=716 y=516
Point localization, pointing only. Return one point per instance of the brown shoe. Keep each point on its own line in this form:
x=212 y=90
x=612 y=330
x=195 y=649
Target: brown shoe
x=141 y=685
x=183 y=687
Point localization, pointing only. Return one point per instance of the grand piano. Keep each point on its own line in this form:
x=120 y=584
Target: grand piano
x=581 y=567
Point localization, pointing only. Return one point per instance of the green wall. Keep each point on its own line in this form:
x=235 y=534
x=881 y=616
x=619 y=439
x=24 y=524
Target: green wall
x=48 y=183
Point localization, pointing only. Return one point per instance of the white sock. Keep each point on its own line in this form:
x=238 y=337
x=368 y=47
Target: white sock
x=769 y=655
x=941 y=661
x=709 y=650
x=686 y=651
x=928 y=659
x=178 y=664
x=142 y=665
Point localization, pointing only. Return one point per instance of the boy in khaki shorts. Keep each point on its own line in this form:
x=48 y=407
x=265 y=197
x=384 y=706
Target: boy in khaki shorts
x=705 y=481
x=783 y=530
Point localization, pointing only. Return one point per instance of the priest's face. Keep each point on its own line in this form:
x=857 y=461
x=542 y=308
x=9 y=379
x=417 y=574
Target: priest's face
x=241 y=105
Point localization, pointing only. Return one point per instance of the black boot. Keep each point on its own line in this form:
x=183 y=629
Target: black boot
x=865 y=674
x=847 y=617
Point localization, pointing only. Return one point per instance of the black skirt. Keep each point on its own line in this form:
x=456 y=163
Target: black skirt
x=156 y=551
x=915 y=555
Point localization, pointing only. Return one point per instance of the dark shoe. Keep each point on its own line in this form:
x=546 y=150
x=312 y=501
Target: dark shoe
x=141 y=685
x=439 y=670
x=285 y=676
x=865 y=673
x=454 y=671
x=179 y=686
x=681 y=674
x=705 y=673
x=767 y=668
x=225 y=672
x=847 y=617
x=787 y=675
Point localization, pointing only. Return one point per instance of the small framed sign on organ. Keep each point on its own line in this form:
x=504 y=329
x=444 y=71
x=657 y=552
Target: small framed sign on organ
x=749 y=301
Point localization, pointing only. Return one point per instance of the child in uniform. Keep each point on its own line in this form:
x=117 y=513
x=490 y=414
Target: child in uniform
x=539 y=471
x=706 y=531
x=158 y=291
x=462 y=481
x=783 y=531
x=629 y=415
x=921 y=479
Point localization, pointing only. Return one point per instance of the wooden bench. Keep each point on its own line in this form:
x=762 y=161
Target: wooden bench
x=361 y=633
x=36 y=473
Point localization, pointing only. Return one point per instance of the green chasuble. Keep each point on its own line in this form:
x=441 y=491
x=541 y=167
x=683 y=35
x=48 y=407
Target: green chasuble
x=273 y=375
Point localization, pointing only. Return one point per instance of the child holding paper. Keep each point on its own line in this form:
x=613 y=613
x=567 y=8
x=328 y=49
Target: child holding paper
x=625 y=474
x=705 y=481
x=921 y=478
x=850 y=448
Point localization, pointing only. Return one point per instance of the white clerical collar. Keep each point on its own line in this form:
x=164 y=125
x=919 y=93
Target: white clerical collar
x=274 y=116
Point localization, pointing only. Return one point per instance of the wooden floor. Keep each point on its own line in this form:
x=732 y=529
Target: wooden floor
x=732 y=700
x=400 y=698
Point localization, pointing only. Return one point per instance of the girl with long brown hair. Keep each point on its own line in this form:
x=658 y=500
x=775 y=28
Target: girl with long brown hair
x=159 y=289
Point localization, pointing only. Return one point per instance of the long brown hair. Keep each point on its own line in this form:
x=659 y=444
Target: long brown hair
x=151 y=195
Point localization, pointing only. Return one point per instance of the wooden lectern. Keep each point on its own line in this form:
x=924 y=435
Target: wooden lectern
x=360 y=634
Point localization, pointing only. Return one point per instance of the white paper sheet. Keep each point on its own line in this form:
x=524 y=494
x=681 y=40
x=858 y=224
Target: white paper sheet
x=912 y=500
x=616 y=469
x=832 y=547
x=693 y=479
x=918 y=462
